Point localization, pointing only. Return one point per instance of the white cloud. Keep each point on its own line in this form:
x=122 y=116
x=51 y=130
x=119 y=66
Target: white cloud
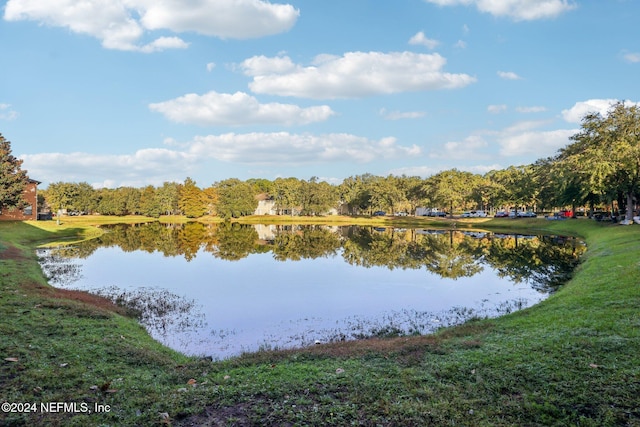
x=353 y=75
x=121 y=24
x=523 y=139
x=282 y=147
x=147 y=166
x=526 y=139
x=422 y=40
x=633 y=57
x=7 y=113
x=164 y=43
x=237 y=109
x=211 y=66
x=460 y=44
x=422 y=171
x=399 y=115
x=470 y=147
x=533 y=109
x=576 y=113
x=496 y=109
x=508 y=75
x=258 y=66
x=518 y=10
x=237 y=19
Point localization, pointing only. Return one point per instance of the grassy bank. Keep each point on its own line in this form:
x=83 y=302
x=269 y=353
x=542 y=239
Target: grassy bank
x=572 y=360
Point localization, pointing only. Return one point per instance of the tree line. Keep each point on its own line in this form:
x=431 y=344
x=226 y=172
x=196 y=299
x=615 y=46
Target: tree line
x=356 y=195
x=599 y=167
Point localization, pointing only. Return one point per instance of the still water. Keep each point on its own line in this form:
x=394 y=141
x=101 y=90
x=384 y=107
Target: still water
x=218 y=290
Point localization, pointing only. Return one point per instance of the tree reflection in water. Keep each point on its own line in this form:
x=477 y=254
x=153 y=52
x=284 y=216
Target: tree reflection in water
x=542 y=262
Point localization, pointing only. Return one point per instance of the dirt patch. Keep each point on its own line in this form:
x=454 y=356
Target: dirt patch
x=101 y=304
x=400 y=347
x=235 y=415
x=11 y=253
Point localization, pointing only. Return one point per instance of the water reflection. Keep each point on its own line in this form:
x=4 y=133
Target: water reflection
x=292 y=285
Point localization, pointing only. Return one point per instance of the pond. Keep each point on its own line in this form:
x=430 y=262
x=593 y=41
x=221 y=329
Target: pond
x=221 y=289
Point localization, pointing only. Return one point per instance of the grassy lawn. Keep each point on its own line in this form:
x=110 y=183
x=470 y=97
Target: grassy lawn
x=572 y=360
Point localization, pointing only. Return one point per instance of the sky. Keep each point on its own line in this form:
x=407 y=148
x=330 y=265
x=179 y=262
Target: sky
x=138 y=92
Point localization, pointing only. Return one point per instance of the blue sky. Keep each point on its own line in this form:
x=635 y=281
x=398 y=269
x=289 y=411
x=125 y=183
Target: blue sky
x=137 y=92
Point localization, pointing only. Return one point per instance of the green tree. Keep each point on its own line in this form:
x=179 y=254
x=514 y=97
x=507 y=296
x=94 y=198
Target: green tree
x=85 y=200
x=482 y=190
x=606 y=153
x=236 y=198
x=449 y=188
x=130 y=199
x=517 y=185
x=12 y=179
x=120 y=201
x=168 y=196
x=316 y=197
x=385 y=193
x=355 y=193
x=149 y=202
x=261 y=185
x=81 y=197
x=412 y=188
x=60 y=195
x=108 y=204
x=286 y=194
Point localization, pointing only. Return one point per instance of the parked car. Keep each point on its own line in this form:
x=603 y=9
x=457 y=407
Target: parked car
x=379 y=213
x=439 y=214
x=465 y=214
x=527 y=214
x=555 y=216
x=501 y=214
x=478 y=214
x=400 y=214
x=45 y=216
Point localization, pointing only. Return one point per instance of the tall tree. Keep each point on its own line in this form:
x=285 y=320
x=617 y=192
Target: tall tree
x=316 y=197
x=412 y=188
x=355 y=193
x=168 y=196
x=86 y=200
x=386 y=193
x=149 y=202
x=236 y=198
x=60 y=195
x=606 y=152
x=518 y=185
x=191 y=200
x=286 y=194
x=449 y=188
x=210 y=199
x=12 y=179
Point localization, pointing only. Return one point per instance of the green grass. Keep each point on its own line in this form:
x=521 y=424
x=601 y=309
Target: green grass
x=572 y=360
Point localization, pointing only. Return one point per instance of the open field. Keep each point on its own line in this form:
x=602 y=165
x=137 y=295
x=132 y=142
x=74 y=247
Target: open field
x=572 y=360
